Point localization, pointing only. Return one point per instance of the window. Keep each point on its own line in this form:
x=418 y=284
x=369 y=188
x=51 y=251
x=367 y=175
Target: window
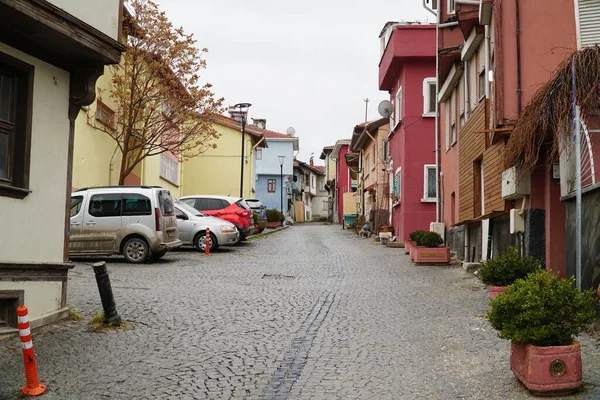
x=165 y=202
x=430 y=183
x=105 y=205
x=374 y=156
x=453 y=118
x=451 y=7
x=386 y=150
x=392 y=120
x=76 y=202
x=210 y=204
x=190 y=202
x=481 y=85
x=398 y=116
x=169 y=168
x=312 y=181
x=461 y=104
x=367 y=165
x=271 y=185
x=104 y=114
x=16 y=95
x=397 y=188
x=429 y=97
x=136 y=204
x=259 y=154
x=322 y=185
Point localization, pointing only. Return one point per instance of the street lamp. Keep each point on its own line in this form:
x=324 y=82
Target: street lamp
x=281 y=159
x=243 y=113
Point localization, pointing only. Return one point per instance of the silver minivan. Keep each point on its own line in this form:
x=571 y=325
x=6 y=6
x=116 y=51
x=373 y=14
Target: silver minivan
x=136 y=221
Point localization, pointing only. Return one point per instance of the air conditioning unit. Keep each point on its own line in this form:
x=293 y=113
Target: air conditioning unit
x=515 y=184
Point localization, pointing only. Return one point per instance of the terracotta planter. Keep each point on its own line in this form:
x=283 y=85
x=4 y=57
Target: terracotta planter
x=273 y=224
x=496 y=290
x=430 y=255
x=547 y=370
x=408 y=244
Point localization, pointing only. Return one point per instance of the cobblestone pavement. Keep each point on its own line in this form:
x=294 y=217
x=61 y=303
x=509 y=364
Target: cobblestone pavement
x=311 y=312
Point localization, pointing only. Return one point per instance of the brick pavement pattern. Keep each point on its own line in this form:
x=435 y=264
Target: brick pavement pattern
x=311 y=312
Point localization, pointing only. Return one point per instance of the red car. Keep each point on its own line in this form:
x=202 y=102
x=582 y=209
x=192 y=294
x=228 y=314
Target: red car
x=232 y=209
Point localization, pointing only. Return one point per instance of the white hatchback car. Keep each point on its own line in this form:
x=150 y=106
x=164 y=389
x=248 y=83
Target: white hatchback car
x=192 y=225
x=136 y=221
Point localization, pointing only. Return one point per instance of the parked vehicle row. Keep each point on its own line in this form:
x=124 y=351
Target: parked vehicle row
x=145 y=222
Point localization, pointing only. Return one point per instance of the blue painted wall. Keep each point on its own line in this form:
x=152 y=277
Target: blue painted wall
x=269 y=164
x=271 y=200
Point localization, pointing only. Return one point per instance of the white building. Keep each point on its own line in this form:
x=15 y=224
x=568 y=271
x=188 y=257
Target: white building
x=51 y=53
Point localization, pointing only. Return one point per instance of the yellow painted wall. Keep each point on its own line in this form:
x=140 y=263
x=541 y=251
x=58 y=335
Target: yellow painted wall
x=331 y=169
x=93 y=149
x=217 y=171
x=150 y=172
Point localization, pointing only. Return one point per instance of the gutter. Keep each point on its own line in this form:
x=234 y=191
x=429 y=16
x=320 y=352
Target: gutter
x=518 y=37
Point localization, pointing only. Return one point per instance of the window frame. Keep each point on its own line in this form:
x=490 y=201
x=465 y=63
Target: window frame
x=426 y=198
x=171 y=166
x=451 y=7
x=101 y=107
x=398 y=107
x=427 y=83
x=271 y=185
x=479 y=86
x=18 y=162
x=115 y=196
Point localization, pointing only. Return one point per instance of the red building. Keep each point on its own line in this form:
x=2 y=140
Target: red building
x=345 y=182
x=407 y=73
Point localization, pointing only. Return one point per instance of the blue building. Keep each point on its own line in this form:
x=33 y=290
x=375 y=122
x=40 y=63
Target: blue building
x=274 y=170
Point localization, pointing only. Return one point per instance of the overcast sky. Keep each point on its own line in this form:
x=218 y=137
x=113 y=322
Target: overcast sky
x=307 y=64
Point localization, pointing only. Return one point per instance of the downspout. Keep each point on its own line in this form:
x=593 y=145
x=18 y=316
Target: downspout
x=466 y=89
x=111 y=164
x=438 y=209
x=518 y=36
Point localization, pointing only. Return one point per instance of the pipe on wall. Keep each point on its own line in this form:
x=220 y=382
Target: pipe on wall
x=438 y=208
x=518 y=37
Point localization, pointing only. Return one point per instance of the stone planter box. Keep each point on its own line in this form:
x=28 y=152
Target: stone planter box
x=273 y=224
x=430 y=255
x=408 y=244
x=411 y=252
x=547 y=370
x=496 y=290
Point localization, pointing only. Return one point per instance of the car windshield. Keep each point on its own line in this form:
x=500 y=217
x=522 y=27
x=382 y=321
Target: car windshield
x=189 y=209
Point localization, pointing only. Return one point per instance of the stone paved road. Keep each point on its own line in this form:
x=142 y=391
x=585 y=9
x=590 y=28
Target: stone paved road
x=312 y=312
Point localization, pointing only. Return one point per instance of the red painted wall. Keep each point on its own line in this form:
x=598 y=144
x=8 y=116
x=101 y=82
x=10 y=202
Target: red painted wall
x=412 y=144
x=341 y=181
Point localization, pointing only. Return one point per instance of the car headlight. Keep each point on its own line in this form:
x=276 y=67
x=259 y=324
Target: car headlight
x=227 y=229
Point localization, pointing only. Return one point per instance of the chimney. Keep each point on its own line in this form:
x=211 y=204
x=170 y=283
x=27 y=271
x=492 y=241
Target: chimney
x=312 y=161
x=260 y=123
x=236 y=114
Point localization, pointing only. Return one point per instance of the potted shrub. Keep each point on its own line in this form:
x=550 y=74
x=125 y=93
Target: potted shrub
x=429 y=249
x=502 y=271
x=541 y=315
x=413 y=240
x=259 y=225
x=274 y=218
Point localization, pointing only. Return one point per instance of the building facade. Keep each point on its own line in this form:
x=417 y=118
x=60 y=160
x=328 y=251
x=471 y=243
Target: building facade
x=42 y=94
x=407 y=73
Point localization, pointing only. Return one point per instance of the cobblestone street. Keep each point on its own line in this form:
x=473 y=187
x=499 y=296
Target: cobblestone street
x=311 y=312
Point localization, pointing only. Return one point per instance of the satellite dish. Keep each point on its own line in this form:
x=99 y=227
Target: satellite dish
x=291 y=131
x=385 y=108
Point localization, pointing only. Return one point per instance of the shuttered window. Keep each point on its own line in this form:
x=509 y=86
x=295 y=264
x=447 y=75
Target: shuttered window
x=589 y=22
x=169 y=169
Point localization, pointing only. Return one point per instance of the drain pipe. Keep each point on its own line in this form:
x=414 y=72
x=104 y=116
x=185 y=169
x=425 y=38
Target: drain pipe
x=518 y=36
x=438 y=209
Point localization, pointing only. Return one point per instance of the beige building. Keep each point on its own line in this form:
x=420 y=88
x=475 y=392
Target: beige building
x=51 y=53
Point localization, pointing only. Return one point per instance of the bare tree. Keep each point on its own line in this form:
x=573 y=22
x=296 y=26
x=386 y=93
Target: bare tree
x=161 y=104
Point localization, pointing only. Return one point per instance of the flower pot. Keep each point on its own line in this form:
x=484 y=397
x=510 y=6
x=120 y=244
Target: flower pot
x=547 y=370
x=430 y=255
x=408 y=244
x=496 y=290
x=273 y=224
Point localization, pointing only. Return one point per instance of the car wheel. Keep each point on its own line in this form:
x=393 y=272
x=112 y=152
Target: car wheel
x=136 y=250
x=157 y=256
x=242 y=235
x=200 y=241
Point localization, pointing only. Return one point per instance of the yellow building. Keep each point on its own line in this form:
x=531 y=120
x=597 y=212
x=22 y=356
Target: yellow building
x=218 y=170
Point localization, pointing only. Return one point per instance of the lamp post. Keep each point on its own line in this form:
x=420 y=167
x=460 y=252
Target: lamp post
x=281 y=159
x=243 y=113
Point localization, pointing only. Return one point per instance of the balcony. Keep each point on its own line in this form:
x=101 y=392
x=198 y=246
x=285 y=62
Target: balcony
x=409 y=41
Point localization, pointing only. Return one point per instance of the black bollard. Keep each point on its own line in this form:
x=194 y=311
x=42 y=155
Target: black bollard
x=106 y=295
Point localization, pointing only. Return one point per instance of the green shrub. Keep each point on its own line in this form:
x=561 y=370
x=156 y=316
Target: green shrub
x=506 y=269
x=429 y=239
x=414 y=236
x=543 y=310
x=274 y=215
x=255 y=218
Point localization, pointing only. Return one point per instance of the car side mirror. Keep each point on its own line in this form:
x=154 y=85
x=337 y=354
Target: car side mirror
x=182 y=217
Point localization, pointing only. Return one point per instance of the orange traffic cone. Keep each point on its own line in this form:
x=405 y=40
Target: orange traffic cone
x=33 y=387
x=207 y=242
